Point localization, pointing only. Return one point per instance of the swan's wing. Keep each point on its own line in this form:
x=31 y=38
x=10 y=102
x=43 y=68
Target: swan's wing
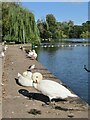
x=54 y=89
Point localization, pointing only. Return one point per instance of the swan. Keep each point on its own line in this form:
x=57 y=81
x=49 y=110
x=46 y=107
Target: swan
x=37 y=77
x=30 y=54
x=52 y=89
x=34 y=54
x=86 y=68
x=28 y=73
x=5 y=48
x=31 y=67
x=26 y=78
x=24 y=81
x=2 y=54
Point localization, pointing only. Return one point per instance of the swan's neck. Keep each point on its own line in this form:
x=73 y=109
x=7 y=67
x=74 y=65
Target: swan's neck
x=35 y=85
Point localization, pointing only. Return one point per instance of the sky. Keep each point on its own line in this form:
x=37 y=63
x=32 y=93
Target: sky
x=63 y=11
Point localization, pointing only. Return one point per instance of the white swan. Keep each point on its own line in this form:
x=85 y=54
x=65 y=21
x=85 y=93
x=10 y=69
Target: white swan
x=2 y=54
x=28 y=73
x=37 y=77
x=31 y=67
x=30 y=54
x=34 y=54
x=24 y=81
x=5 y=47
x=52 y=89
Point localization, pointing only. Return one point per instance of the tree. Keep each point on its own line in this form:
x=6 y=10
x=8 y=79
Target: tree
x=85 y=34
x=19 y=27
x=51 y=20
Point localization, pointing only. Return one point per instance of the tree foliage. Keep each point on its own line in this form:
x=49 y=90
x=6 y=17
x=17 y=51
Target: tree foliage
x=65 y=29
x=18 y=24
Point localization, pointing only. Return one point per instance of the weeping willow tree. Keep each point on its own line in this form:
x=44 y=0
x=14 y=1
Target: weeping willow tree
x=19 y=24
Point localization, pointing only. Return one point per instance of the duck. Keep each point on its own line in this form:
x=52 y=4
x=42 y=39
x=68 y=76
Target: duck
x=51 y=88
x=24 y=80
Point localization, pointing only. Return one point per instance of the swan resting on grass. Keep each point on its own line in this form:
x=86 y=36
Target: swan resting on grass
x=51 y=88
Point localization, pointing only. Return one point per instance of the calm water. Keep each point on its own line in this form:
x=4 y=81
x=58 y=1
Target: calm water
x=67 y=64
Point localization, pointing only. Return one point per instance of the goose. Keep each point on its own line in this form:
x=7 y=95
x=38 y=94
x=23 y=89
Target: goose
x=24 y=81
x=51 y=88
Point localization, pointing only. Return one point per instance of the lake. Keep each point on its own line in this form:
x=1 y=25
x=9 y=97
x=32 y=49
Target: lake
x=67 y=64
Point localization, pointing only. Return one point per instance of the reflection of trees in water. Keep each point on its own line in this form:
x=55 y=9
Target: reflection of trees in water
x=52 y=49
x=47 y=49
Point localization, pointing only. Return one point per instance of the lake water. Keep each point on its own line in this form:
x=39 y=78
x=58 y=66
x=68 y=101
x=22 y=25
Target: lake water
x=66 y=63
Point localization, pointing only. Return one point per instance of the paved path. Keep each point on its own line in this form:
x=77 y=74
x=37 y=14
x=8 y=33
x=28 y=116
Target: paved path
x=17 y=101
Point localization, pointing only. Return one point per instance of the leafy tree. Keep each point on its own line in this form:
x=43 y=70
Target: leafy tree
x=19 y=27
x=85 y=34
x=51 y=20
